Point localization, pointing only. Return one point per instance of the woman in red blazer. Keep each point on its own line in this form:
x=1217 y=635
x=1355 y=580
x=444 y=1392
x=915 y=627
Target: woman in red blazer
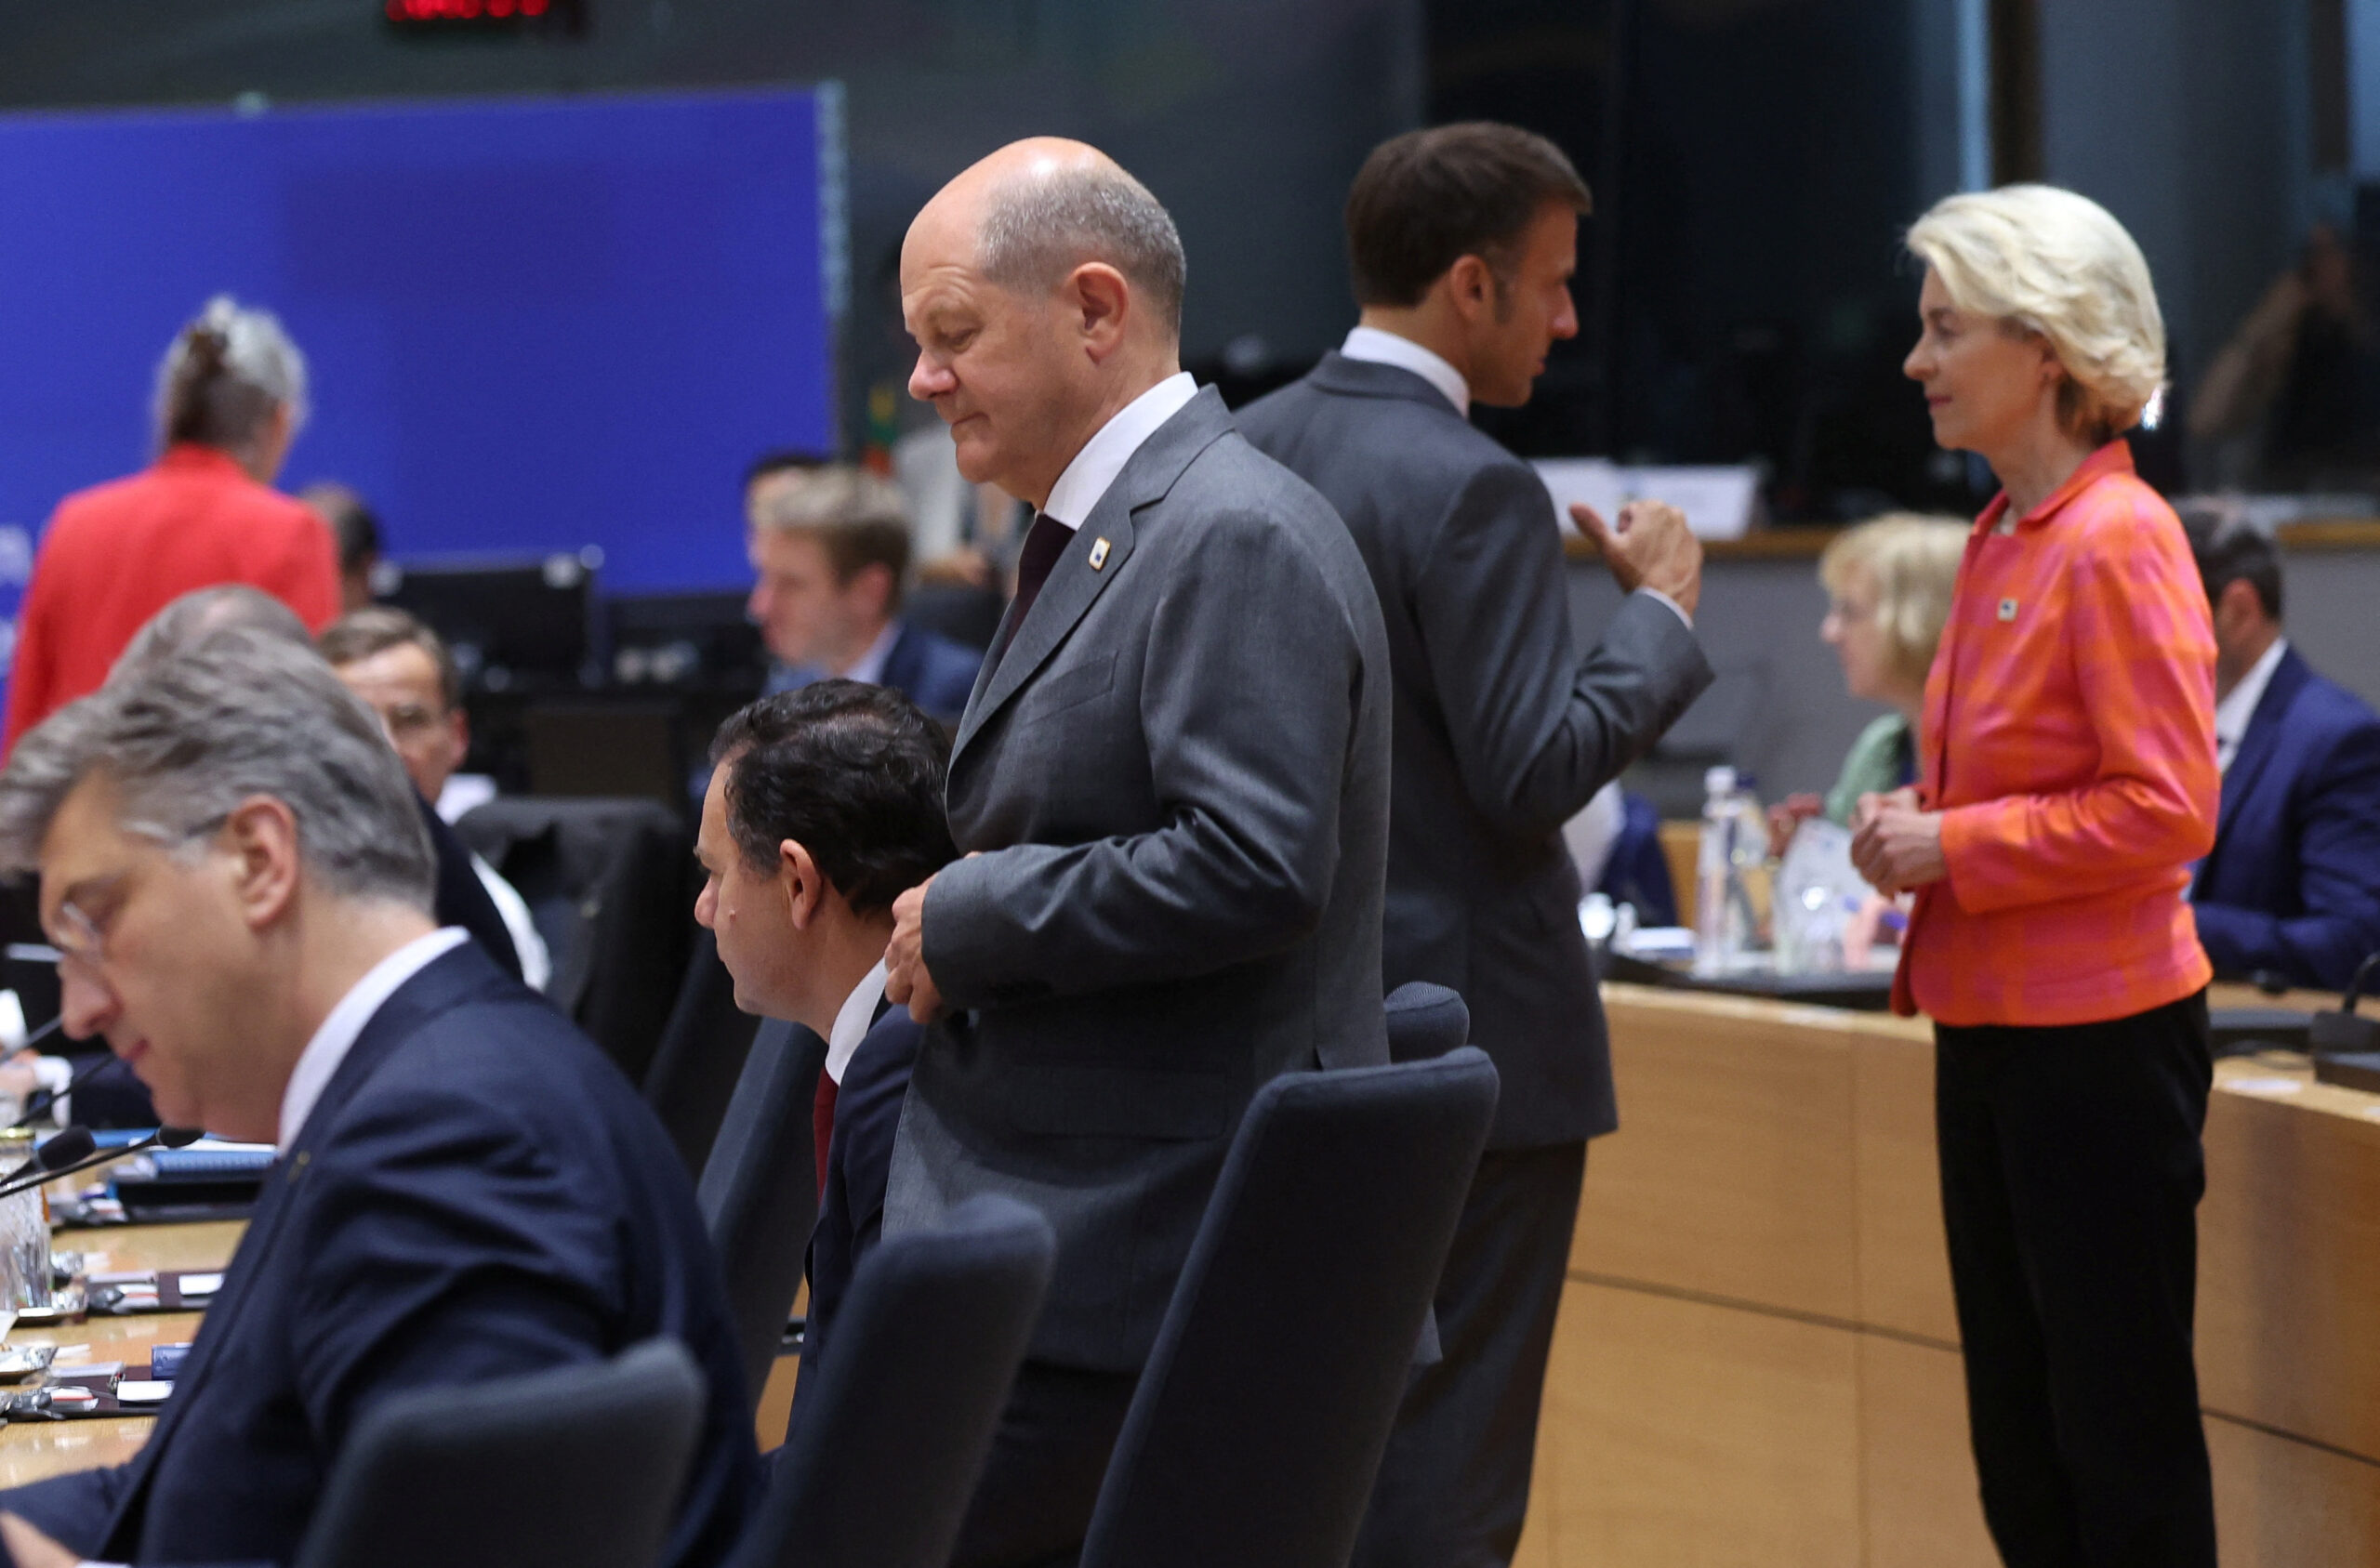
x=231 y=396
x=2067 y=781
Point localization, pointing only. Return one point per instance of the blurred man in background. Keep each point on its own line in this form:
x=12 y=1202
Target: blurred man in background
x=355 y=531
x=830 y=553
x=2292 y=888
x=403 y=673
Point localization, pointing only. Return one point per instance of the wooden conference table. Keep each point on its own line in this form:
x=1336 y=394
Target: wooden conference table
x=1756 y=1361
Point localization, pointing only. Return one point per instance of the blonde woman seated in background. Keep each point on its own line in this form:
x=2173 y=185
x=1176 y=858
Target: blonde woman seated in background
x=1888 y=587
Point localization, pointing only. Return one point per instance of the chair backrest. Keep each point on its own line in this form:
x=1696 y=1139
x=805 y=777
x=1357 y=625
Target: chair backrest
x=888 y=1441
x=611 y=885
x=1425 y=1020
x=967 y=615
x=580 y=1466
x=1259 y=1423
x=700 y=1056
x=759 y=1192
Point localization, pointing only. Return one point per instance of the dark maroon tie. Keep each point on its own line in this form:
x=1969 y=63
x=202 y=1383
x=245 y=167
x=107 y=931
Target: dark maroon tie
x=822 y=1125
x=1044 y=542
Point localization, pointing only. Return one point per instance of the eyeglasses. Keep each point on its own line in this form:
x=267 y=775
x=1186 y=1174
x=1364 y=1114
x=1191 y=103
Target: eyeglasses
x=1849 y=612
x=79 y=929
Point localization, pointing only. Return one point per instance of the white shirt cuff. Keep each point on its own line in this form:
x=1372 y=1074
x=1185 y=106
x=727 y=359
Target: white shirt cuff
x=1676 y=608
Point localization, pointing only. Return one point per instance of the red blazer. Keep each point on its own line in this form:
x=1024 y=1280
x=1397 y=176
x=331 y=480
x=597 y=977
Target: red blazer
x=2069 y=747
x=116 y=554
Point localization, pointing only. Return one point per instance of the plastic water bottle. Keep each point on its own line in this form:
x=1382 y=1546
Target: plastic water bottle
x=1732 y=838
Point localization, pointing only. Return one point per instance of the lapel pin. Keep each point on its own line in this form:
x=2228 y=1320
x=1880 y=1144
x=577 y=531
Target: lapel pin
x=1098 y=553
x=2008 y=609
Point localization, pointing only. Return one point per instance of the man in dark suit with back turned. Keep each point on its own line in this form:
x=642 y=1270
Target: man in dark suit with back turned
x=234 y=870
x=1462 y=239
x=825 y=804
x=1175 y=770
x=2292 y=888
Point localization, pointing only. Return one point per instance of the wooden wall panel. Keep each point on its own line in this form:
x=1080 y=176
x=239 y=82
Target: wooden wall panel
x=1681 y=1433
x=1732 y=1171
x=1904 y=1266
x=1917 y=1473
x=2284 y=1504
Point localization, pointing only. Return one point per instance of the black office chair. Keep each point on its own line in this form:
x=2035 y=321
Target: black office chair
x=611 y=885
x=576 y=1467
x=1425 y=1020
x=701 y=1055
x=1258 y=1426
x=759 y=1192
x=887 y=1445
x=966 y=616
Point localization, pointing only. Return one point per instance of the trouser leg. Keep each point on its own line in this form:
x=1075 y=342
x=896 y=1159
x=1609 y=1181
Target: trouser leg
x=1453 y=1485
x=1042 y=1480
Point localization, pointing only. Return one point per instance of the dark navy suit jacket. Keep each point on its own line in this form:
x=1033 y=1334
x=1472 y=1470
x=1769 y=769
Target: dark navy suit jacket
x=2293 y=883
x=859 y=1159
x=924 y=666
x=477 y=1193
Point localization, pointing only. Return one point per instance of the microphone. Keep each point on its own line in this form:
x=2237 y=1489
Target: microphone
x=25 y=1179
x=40 y=1100
x=60 y=1150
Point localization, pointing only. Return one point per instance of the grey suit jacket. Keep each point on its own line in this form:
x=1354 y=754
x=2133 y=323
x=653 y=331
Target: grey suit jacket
x=1502 y=729
x=1179 y=776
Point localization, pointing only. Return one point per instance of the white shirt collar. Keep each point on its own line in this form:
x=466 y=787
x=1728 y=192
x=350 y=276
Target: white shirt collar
x=852 y=1023
x=2231 y=715
x=1105 y=455
x=336 y=1035
x=1385 y=348
x=870 y=667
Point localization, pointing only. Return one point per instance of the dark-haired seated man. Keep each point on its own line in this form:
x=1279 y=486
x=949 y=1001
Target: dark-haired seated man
x=824 y=805
x=2292 y=888
x=234 y=869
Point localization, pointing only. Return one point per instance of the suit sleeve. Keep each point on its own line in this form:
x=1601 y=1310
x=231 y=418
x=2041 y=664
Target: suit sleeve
x=2338 y=868
x=74 y=1509
x=1249 y=698
x=446 y=1249
x=2144 y=657
x=1536 y=730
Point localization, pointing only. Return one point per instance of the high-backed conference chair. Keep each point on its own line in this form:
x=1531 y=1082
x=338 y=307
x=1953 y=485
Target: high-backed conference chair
x=887 y=1447
x=1258 y=1426
x=576 y=1467
x=701 y=1056
x=759 y=1192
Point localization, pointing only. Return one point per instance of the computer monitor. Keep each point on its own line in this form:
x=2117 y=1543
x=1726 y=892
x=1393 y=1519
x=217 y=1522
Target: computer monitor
x=512 y=622
x=684 y=640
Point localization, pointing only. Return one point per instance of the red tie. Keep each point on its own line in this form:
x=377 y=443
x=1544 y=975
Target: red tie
x=821 y=1126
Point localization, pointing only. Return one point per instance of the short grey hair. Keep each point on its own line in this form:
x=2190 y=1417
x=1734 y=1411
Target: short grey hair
x=226 y=372
x=1040 y=226
x=183 y=622
x=238 y=714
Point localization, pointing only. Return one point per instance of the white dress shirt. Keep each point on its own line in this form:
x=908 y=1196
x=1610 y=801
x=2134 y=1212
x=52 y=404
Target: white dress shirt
x=2231 y=715
x=853 y=1023
x=1105 y=455
x=1375 y=347
x=869 y=668
x=336 y=1036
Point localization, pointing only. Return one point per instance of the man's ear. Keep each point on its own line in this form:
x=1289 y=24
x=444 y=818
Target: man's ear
x=1100 y=302
x=1471 y=289
x=874 y=582
x=799 y=883
x=2237 y=608
x=262 y=835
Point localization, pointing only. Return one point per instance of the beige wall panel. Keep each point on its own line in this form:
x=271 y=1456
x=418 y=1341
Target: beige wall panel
x=1678 y=1433
x=1904 y=1266
x=1917 y=1474
x=2284 y=1504
x=1731 y=1173
x=2289 y=1260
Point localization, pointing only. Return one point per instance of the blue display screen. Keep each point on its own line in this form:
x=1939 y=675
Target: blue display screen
x=530 y=326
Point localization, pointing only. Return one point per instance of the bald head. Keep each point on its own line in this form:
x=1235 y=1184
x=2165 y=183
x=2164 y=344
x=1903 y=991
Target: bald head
x=1043 y=286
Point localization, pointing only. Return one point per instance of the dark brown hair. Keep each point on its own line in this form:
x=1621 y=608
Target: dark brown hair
x=1427 y=199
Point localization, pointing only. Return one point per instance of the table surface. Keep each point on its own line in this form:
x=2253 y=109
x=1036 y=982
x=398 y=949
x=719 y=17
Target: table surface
x=35 y=1449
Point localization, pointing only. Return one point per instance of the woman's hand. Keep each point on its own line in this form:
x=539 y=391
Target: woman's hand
x=1787 y=815
x=1895 y=843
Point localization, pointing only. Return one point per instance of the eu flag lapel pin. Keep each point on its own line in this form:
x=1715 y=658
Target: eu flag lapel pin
x=1098 y=553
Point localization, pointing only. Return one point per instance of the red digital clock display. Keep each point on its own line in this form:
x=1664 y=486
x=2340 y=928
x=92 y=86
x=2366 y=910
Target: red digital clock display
x=434 y=11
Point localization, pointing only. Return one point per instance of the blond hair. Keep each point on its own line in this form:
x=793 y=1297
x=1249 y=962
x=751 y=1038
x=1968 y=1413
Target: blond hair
x=2045 y=260
x=858 y=519
x=1912 y=561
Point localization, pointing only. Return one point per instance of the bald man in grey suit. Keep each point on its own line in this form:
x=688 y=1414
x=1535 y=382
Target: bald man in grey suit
x=1174 y=767
x=1463 y=238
